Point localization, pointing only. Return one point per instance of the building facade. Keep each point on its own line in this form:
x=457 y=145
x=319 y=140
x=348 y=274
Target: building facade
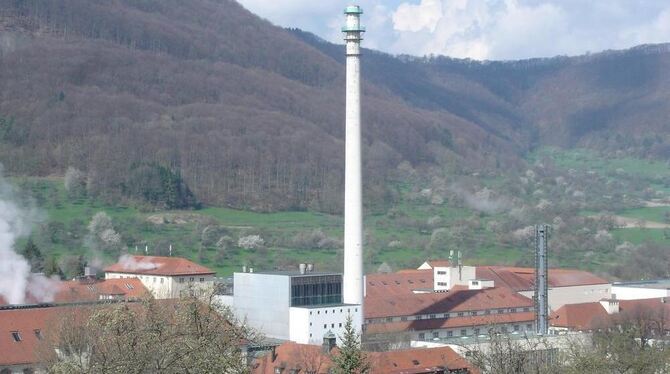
x=164 y=277
x=301 y=307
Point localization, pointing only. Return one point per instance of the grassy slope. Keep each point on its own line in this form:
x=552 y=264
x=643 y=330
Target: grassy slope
x=73 y=216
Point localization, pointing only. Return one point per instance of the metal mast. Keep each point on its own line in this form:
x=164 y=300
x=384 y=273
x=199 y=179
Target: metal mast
x=353 y=190
x=541 y=274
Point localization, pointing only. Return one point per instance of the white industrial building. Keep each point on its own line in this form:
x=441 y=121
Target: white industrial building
x=164 y=277
x=300 y=306
x=641 y=290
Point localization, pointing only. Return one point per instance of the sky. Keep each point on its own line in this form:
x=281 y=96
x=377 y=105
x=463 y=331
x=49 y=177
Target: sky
x=482 y=29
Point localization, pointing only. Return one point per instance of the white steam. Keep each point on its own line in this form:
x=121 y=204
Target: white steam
x=484 y=200
x=17 y=283
x=129 y=263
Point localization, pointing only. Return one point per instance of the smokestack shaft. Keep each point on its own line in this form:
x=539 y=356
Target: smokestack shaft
x=353 y=190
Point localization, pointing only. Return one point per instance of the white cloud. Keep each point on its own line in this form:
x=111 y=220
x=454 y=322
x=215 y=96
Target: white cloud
x=483 y=29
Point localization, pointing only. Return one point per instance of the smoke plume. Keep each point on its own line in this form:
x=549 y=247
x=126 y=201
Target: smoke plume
x=129 y=263
x=484 y=200
x=17 y=281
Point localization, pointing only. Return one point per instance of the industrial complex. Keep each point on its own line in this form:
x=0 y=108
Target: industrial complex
x=410 y=320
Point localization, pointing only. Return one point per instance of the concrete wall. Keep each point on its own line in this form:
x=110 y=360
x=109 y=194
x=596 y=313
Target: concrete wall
x=309 y=325
x=264 y=300
x=637 y=293
x=559 y=296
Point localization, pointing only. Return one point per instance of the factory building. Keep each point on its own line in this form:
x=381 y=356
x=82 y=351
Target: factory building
x=641 y=289
x=164 y=277
x=446 y=300
x=302 y=306
x=566 y=286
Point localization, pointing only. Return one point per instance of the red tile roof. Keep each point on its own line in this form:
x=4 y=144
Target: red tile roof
x=312 y=358
x=581 y=317
x=26 y=322
x=458 y=299
x=520 y=279
x=418 y=360
x=157 y=265
x=399 y=283
x=439 y=263
x=92 y=290
x=450 y=323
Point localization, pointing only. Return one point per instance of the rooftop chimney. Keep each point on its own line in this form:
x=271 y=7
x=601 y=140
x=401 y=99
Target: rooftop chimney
x=353 y=189
x=302 y=267
x=310 y=268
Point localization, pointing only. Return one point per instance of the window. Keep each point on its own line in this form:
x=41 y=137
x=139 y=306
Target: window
x=202 y=280
x=526 y=309
x=512 y=310
x=464 y=332
x=516 y=327
x=417 y=318
x=477 y=331
x=475 y=283
x=474 y=313
x=325 y=325
x=450 y=334
x=310 y=312
x=310 y=323
x=278 y=370
x=441 y=272
x=181 y=280
x=16 y=336
x=529 y=326
x=38 y=334
x=422 y=336
x=191 y=279
x=326 y=312
x=162 y=280
x=504 y=329
x=460 y=314
x=436 y=334
x=432 y=316
x=501 y=311
x=318 y=312
x=340 y=324
x=389 y=319
x=332 y=325
x=340 y=310
x=446 y=315
x=403 y=319
x=442 y=284
x=415 y=362
x=487 y=312
x=310 y=334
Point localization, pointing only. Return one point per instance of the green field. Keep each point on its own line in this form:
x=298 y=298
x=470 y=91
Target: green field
x=587 y=160
x=655 y=214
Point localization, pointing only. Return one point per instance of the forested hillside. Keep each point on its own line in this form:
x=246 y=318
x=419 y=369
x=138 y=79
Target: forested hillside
x=177 y=103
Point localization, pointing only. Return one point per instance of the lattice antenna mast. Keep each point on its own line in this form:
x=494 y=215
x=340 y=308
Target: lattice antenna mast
x=541 y=297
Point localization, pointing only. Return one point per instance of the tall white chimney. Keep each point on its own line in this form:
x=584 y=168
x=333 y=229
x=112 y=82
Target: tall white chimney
x=353 y=190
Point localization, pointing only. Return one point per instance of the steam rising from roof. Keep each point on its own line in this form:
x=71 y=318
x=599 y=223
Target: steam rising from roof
x=17 y=281
x=129 y=263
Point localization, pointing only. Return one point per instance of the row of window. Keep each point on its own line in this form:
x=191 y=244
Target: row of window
x=154 y=279
x=311 y=312
x=464 y=332
x=449 y=315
